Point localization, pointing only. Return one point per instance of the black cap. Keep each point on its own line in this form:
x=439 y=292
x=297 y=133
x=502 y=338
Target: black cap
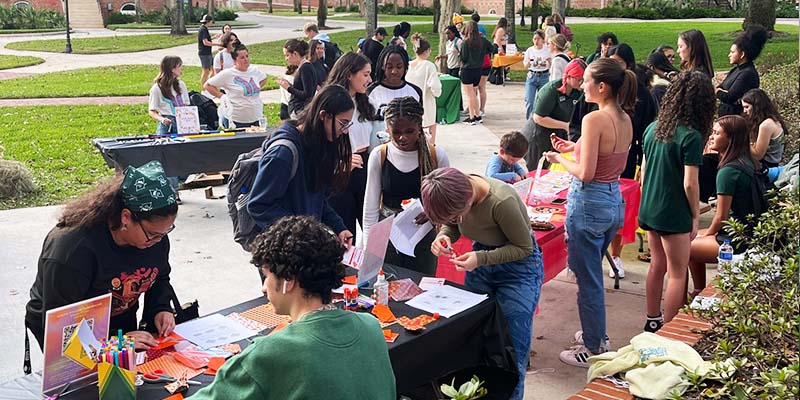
x=381 y=31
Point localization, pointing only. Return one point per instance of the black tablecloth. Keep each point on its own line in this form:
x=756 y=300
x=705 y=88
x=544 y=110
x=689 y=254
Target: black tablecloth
x=180 y=157
x=477 y=336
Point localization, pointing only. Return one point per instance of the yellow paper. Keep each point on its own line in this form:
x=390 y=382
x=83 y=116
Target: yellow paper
x=75 y=352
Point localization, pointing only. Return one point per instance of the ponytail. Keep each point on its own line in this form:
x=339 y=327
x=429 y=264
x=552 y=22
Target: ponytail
x=626 y=96
x=622 y=81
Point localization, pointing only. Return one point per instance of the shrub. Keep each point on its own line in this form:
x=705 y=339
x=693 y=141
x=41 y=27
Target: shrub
x=28 y=18
x=786 y=9
x=225 y=14
x=341 y=9
x=116 y=18
x=780 y=83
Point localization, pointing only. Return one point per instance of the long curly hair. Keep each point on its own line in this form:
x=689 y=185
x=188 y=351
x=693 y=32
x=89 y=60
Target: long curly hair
x=348 y=65
x=301 y=248
x=761 y=108
x=689 y=101
x=408 y=107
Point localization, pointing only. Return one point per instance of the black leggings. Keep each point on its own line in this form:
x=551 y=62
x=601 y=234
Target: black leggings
x=350 y=203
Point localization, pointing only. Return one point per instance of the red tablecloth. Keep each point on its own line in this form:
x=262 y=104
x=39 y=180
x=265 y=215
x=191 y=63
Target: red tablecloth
x=554 y=248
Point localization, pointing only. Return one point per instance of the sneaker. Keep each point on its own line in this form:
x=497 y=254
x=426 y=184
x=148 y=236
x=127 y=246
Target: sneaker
x=605 y=344
x=482 y=114
x=469 y=121
x=653 y=324
x=578 y=356
x=621 y=271
x=478 y=120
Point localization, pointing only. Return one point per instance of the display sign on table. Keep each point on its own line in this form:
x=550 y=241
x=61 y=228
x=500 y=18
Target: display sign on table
x=188 y=119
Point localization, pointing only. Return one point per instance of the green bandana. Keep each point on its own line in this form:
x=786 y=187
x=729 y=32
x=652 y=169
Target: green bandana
x=146 y=188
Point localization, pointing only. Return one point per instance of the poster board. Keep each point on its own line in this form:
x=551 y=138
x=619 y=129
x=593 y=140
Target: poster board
x=188 y=119
x=60 y=323
x=375 y=252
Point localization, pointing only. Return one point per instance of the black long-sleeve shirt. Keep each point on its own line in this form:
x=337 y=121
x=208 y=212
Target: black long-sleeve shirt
x=741 y=79
x=305 y=84
x=78 y=264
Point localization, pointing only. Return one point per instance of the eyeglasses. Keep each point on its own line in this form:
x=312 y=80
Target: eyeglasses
x=155 y=236
x=344 y=125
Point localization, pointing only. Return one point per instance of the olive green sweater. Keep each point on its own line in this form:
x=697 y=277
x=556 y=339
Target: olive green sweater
x=500 y=220
x=326 y=355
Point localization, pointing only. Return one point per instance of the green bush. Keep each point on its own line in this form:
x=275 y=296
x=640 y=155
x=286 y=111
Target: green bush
x=786 y=9
x=28 y=18
x=225 y=14
x=353 y=8
x=116 y=18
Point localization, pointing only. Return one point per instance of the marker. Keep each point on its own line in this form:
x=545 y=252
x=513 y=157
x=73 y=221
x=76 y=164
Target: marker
x=443 y=243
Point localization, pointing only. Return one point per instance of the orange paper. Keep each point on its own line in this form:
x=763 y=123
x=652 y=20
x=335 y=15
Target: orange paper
x=214 y=364
x=176 y=396
x=349 y=280
x=170 y=366
x=167 y=341
x=390 y=336
x=383 y=313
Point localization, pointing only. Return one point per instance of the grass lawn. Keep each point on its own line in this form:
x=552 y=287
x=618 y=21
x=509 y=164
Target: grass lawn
x=120 y=80
x=643 y=37
x=7 y=62
x=106 y=45
x=55 y=143
x=147 y=25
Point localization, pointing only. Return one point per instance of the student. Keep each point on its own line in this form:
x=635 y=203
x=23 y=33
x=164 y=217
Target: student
x=474 y=52
x=604 y=42
x=400 y=33
x=743 y=77
x=306 y=78
x=112 y=239
x=453 y=51
x=223 y=59
x=301 y=260
x=730 y=138
x=558 y=46
x=549 y=28
x=476 y=18
x=204 y=44
x=332 y=51
x=242 y=85
x=286 y=97
x=316 y=49
x=322 y=165
x=767 y=128
x=353 y=72
x=391 y=82
x=167 y=92
x=663 y=73
x=505 y=263
x=373 y=47
x=600 y=157
x=552 y=113
x=693 y=50
x=225 y=29
x=423 y=74
x=500 y=35
x=668 y=52
x=504 y=165
x=673 y=152
x=394 y=173
x=537 y=60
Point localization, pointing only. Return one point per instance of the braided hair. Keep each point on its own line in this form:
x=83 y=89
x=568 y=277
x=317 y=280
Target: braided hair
x=385 y=53
x=689 y=101
x=408 y=107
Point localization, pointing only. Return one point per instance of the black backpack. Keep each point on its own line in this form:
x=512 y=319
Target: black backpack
x=332 y=53
x=206 y=108
x=759 y=186
x=240 y=184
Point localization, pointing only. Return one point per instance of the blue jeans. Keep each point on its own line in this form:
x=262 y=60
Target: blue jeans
x=533 y=83
x=595 y=212
x=167 y=129
x=516 y=286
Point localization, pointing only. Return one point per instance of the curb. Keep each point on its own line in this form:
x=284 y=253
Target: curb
x=166 y=30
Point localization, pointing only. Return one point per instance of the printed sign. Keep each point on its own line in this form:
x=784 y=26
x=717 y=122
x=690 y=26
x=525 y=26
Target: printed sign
x=188 y=119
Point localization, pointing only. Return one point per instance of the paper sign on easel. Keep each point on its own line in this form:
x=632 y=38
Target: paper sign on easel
x=511 y=48
x=188 y=119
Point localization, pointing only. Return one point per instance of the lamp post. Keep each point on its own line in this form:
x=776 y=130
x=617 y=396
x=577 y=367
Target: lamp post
x=68 y=49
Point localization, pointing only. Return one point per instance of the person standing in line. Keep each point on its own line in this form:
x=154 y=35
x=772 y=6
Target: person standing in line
x=474 y=52
x=453 y=51
x=537 y=60
x=673 y=153
x=558 y=47
x=424 y=75
x=400 y=33
x=476 y=18
x=315 y=51
x=204 y=45
x=306 y=78
x=242 y=85
x=600 y=157
x=331 y=53
x=373 y=47
x=743 y=77
x=693 y=50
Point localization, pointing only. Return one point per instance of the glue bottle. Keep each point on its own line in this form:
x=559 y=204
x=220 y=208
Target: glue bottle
x=381 y=289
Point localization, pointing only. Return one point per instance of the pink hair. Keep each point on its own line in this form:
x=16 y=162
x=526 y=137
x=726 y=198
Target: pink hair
x=446 y=193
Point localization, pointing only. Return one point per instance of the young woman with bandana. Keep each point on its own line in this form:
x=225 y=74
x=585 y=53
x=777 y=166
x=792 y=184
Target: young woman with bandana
x=112 y=239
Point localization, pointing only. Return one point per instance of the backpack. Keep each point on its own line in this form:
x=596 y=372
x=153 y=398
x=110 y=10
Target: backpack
x=497 y=76
x=206 y=108
x=759 y=187
x=332 y=53
x=431 y=149
x=243 y=174
x=563 y=57
x=567 y=32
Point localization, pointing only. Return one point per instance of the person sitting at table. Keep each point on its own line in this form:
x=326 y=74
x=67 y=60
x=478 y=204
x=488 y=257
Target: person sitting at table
x=506 y=261
x=394 y=174
x=730 y=138
x=504 y=165
x=391 y=80
x=301 y=259
x=767 y=128
x=422 y=73
x=600 y=157
x=112 y=239
x=242 y=85
x=555 y=103
x=323 y=164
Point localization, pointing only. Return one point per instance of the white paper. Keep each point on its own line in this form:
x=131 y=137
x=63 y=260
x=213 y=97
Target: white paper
x=353 y=257
x=511 y=48
x=375 y=252
x=213 y=330
x=446 y=300
x=89 y=342
x=523 y=187
x=188 y=119
x=406 y=234
x=428 y=283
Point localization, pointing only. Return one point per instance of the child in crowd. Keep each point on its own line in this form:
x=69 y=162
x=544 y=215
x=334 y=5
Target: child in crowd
x=504 y=165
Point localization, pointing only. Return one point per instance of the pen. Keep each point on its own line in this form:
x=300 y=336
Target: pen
x=444 y=244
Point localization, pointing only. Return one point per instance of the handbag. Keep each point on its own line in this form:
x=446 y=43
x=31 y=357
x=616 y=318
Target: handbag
x=497 y=76
x=184 y=312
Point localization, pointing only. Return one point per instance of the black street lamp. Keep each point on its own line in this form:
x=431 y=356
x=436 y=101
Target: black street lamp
x=68 y=49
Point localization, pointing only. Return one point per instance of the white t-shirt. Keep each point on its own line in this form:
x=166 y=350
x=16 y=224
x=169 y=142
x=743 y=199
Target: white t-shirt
x=453 y=49
x=244 y=92
x=381 y=95
x=165 y=106
x=557 y=67
x=360 y=133
x=537 y=58
x=423 y=74
x=223 y=60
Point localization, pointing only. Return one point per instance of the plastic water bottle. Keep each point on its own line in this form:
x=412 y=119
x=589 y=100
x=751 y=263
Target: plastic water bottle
x=381 y=289
x=725 y=256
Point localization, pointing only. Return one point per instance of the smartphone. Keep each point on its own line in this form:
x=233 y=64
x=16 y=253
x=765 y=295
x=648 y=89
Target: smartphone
x=558 y=201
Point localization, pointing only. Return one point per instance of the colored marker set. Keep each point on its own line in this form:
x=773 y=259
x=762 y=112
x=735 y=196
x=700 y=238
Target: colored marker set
x=119 y=351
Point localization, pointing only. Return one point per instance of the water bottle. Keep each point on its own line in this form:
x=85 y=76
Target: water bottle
x=381 y=289
x=725 y=256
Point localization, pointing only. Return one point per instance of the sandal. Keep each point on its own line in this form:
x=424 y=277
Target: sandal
x=644 y=257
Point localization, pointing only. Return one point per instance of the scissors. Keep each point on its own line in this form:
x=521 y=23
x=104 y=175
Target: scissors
x=159 y=376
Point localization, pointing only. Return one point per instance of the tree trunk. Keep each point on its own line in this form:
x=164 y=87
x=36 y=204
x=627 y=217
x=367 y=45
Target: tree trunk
x=190 y=12
x=210 y=8
x=395 y=7
x=138 y=12
x=269 y=6
x=522 y=14
x=761 y=13
x=298 y=6
x=322 y=12
x=534 y=15
x=511 y=21
x=447 y=8
x=370 y=15
x=559 y=7
x=177 y=23
x=437 y=12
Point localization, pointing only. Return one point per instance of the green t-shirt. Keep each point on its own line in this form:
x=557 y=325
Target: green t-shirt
x=664 y=205
x=326 y=355
x=554 y=104
x=735 y=183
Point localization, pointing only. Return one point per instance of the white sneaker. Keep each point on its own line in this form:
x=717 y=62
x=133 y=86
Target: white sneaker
x=605 y=345
x=577 y=356
x=482 y=114
x=618 y=263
